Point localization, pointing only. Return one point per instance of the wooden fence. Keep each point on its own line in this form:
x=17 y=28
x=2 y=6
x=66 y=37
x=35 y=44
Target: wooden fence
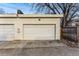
x=69 y=33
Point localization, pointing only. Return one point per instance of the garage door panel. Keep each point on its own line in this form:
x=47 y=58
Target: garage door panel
x=39 y=32
x=6 y=32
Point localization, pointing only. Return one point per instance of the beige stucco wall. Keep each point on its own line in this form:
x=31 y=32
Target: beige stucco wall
x=19 y=20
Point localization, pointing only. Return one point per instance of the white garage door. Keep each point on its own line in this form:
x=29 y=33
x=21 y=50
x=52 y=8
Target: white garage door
x=6 y=32
x=39 y=32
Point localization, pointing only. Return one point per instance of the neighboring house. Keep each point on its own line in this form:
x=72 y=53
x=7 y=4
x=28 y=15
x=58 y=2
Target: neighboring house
x=30 y=27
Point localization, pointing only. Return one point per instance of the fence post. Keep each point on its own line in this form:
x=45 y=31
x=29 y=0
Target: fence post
x=76 y=32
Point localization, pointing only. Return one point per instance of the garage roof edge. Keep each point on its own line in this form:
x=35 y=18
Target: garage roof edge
x=31 y=15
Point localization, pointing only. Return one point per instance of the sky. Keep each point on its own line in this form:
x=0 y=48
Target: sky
x=12 y=7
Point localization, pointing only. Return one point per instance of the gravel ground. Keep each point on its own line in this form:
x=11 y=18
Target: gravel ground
x=51 y=51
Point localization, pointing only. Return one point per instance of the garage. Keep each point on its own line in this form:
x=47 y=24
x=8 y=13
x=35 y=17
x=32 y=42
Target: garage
x=30 y=27
x=39 y=32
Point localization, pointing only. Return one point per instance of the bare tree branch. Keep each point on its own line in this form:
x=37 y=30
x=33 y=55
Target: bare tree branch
x=67 y=9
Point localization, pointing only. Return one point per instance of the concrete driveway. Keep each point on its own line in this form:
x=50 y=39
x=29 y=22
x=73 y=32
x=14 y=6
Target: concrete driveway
x=36 y=48
x=51 y=51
